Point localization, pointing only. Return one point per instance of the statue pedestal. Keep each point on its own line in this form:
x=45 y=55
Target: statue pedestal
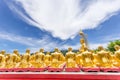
x=50 y=69
x=87 y=69
x=116 y=69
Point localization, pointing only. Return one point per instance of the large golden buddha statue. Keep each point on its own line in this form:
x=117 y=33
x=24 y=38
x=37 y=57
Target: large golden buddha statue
x=70 y=59
x=83 y=42
x=25 y=60
x=104 y=58
x=88 y=58
x=2 y=59
x=56 y=59
x=116 y=58
x=47 y=59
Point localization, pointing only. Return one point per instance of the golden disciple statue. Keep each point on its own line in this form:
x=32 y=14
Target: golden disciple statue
x=25 y=60
x=7 y=60
x=16 y=58
x=2 y=59
x=116 y=58
x=33 y=60
x=47 y=59
x=70 y=59
x=104 y=58
x=56 y=59
x=88 y=58
x=39 y=59
x=62 y=58
x=79 y=58
x=10 y=61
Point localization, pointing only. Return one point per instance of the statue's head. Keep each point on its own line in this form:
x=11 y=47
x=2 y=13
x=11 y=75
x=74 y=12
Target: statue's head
x=48 y=53
x=81 y=33
x=3 y=52
x=92 y=51
x=82 y=40
x=41 y=50
x=56 y=50
x=27 y=50
x=69 y=49
x=100 y=48
x=117 y=47
x=15 y=51
x=36 y=52
x=7 y=55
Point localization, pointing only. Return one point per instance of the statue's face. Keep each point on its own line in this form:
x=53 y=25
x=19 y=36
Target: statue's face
x=15 y=51
x=41 y=50
x=27 y=51
x=100 y=48
x=48 y=53
x=117 y=47
x=56 y=49
x=36 y=52
x=3 y=52
x=82 y=41
x=70 y=49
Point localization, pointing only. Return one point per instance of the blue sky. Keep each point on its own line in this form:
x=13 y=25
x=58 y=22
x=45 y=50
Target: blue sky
x=25 y=31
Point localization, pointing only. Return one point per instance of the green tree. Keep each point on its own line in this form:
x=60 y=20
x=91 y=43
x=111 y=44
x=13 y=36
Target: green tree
x=111 y=45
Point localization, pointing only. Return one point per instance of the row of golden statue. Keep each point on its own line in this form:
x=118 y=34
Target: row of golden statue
x=84 y=57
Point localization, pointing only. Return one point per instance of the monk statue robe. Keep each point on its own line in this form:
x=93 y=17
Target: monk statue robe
x=56 y=59
x=47 y=59
x=116 y=56
x=71 y=59
x=88 y=59
x=104 y=58
x=25 y=60
x=2 y=59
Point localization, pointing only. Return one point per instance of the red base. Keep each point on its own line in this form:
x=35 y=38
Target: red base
x=6 y=70
x=116 y=69
x=58 y=76
x=21 y=69
x=72 y=69
x=85 y=69
x=37 y=69
x=55 y=69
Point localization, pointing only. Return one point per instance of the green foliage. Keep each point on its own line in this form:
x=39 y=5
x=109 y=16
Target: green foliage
x=111 y=45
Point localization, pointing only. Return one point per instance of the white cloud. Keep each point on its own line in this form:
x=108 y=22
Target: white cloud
x=112 y=37
x=95 y=45
x=34 y=44
x=45 y=42
x=64 y=18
